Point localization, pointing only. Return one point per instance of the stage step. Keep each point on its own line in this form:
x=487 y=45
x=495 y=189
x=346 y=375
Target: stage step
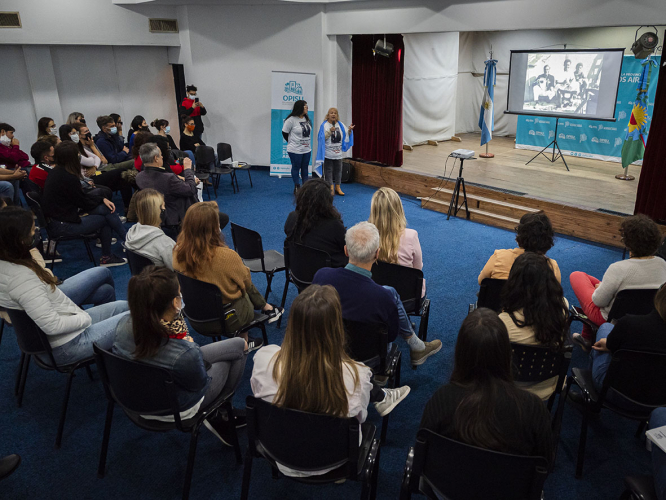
x=475 y=214
x=489 y=200
x=487 y=204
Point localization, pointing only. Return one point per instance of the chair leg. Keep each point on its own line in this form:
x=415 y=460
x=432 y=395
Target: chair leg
x=269 y=280
x=375 y=476
x=55 y=246
x=234 y=435
x=91 y=255
x=101 y=468
x=397 y=372
x=641 y=428
x=284 y=296
x=385 y=422
x=263 y=333
x=2 y=328
x=19 y=373
x=89 y=372
x=190 y=463
x=63 y=412
x=250 y=176
x=423 y=327
x=24 y=377
x=247 y=473
x=583 y=439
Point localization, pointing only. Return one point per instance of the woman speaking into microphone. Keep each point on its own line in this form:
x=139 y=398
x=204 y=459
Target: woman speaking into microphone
x=333 y=140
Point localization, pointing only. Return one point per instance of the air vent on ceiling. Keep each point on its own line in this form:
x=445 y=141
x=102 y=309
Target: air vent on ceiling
x=163 y=25
x=10 y=20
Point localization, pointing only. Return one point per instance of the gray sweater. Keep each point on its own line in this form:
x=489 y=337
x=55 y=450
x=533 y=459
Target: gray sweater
x=151 y=242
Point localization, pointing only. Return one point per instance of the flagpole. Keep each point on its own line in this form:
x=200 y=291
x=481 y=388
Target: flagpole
x=625 y=176
x=487 y=154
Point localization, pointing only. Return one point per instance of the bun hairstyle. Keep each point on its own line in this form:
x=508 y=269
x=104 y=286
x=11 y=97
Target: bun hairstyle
x=158 y=123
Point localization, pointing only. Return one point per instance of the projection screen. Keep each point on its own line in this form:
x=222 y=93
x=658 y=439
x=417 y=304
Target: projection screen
x=565 y=83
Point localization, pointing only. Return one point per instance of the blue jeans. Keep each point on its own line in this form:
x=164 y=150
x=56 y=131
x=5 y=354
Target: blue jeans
x=7 y=190
x=299 y=165
x=406 y=329
x=93 y=286
x=100 y=219
x=105 y=318
x=658 y=419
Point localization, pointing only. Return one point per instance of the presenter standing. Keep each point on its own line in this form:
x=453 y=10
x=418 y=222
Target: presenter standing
x=332 y=141
x=192 y=108
x=297 y=132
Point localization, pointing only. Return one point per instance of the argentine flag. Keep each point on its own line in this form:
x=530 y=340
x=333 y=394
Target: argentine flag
x=486 y=118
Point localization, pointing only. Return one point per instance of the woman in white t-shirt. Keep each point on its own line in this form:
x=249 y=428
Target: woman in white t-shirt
x=297 y=131
x=333 y=140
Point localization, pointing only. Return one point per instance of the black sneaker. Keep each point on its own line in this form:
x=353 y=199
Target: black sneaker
x=274 y=314
x=220 y=428
x=112 y=261
x=254 y=344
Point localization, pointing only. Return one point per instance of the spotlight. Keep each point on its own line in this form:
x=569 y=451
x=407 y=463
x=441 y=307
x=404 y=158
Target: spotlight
x=383 y=49
x=646 y=44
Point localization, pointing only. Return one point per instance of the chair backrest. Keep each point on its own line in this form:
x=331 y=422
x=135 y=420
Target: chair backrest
x=204 y=306
x=224 y=151
x=407 y=281
x=136 y=262
x=638 y=376
x=367 y=342
x=30 y=338
x=300 y=440
x=303 y=263
x=32 y=199
x=247 y=243
x=456 y=470
x=490 y=292
x=532 y=363
x=632 y=301
x=204 y=156
x=137 y=387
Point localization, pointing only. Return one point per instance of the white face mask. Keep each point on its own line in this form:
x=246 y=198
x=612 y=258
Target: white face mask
x=182 y=304
x=167 y=129
x=5 y=141
x=75 y=138
x=193 y=96
x=53 y=130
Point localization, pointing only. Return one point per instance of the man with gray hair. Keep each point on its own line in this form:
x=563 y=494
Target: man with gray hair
x=364 y=300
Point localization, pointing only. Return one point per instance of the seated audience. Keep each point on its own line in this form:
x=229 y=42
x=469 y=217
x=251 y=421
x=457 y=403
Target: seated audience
x=314 y=373
x=316 y=222
x=14 y=160
x=397 y=243
x=364 y=300
x=146 y=238
x=107 y=141
x=201 y=253
x=535 y=311
x=42 y=152
x=155 y=333
x=481 y=406
x=642 y=270
x=533 y=234
x=74 y=212
x=25 y=285
x=93 y=157
x=45 y=127
x=164 y=130
x=76 y=117
x=118 y=122
x=138 y=125
x=140 y=138
x=189 y=140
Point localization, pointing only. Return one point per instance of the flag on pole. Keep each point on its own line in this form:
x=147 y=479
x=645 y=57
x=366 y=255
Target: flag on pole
x=486 y=118
x=634 y=142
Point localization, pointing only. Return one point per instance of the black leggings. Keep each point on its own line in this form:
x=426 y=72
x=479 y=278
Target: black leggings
x=114 y=181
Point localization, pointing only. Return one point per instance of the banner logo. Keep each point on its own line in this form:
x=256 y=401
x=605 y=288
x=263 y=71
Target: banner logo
x=293 y=87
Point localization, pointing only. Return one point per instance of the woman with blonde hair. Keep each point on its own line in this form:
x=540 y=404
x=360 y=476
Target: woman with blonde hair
x=398 y=244
x=201 y=253
x=147 y=238
x=333 y=140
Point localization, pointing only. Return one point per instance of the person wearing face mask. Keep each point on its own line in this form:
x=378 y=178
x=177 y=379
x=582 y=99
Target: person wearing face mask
x=11 y=161
x=107 y=142
x=75 y=117
x=120 y=138
x=192 y=108
x=92 y=156
x=164 y=130
x=138 y=125
x=189 y=140
x=146 y=237
x=42 y=152
x=45 y=127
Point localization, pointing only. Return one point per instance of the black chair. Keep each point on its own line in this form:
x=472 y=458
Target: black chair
x=32 y=198
x=367 y=343
x=34 y=345
x=438 y=465
x=310 y=442
x=408 y=282
x=639 y=301
x=204 y=160
x=644 y=392
x=536 y=364
x=490 y=292
x=301 y=264
x=136 y=262
x=140 y=389
x=224 y=153
x=249 y=246
x=206 y=310
x=639 y=488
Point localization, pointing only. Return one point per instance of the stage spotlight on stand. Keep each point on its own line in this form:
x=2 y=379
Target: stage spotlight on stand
x=646 y=44
x=383 y=48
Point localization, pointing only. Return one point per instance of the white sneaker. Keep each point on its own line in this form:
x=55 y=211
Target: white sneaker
x=392 y=399
x=99 y=242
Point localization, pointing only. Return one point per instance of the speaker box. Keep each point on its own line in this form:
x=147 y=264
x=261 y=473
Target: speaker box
x=347 y=172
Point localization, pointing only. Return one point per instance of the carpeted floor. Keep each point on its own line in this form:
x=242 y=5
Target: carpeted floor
x=149 y=465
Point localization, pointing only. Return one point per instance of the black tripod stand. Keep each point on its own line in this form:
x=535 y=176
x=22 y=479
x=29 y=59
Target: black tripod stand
x=455 y=196
x=554 y=156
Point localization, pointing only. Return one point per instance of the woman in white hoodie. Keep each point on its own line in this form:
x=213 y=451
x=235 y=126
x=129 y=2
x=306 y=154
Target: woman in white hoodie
x=26 y=286
x=146 y=238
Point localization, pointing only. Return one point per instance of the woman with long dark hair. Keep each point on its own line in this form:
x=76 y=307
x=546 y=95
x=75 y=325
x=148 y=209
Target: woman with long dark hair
x=316 y=222
x=138 y=124
x=481 y=406
x=164 y=129
x=297 y=131
x=535 y=311
x=46 y=127
x=156 y=333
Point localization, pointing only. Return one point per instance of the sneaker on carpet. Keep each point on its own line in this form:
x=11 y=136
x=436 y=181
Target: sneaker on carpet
x=219 y=428
x=274 y=314
x=582 y=342
x=254 y=344
x=112 y=261
x=392 y=399
x=99 y=242
x=419 y=357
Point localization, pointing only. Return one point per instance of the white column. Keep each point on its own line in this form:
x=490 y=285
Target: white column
x=41 y=76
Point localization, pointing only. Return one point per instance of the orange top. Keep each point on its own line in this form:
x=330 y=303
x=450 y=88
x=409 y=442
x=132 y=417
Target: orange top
x=499 y=265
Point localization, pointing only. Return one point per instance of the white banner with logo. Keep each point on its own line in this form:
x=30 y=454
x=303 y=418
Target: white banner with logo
x=287 y=88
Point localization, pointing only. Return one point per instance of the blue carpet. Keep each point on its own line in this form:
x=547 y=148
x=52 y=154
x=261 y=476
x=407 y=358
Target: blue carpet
x=149 y=465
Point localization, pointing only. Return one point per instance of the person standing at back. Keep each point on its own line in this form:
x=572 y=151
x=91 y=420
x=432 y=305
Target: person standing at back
x=333 y=140
x=297 y=131
x=192 y=108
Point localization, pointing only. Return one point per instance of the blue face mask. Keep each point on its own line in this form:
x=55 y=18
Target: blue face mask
x=167 y=129
x=113 y=130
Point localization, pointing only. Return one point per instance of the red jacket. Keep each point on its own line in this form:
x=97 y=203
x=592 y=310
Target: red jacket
x=187 y=104
x=176 y=168
x=39 y=173
x=12 y=157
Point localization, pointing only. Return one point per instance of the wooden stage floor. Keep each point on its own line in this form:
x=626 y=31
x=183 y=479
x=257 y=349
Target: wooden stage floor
x=590 y=184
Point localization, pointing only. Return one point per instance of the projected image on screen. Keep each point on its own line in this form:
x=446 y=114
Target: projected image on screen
x=563 y=83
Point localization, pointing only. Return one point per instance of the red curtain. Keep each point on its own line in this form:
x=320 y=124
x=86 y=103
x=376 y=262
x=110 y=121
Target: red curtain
x=651 y=197
x=377 y=100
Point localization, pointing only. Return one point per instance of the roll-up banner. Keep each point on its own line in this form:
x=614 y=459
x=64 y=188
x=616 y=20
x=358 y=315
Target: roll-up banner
x=601 y=140
x=287 y=88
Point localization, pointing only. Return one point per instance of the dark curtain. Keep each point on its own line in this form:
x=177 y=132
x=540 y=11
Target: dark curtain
x=651 y=197
x=377 y=100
